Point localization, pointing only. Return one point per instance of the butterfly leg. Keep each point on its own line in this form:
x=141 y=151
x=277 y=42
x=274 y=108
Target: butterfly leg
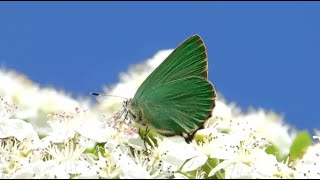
x=188 y=137
x=145 y=136
x=126 y=116
x=145 y=139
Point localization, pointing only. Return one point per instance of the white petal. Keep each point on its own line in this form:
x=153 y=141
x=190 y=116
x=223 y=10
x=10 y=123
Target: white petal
x=75 y=166
x=130 y=170
x=220 y=166
x=179 y=176
x=42 y=170
x=238 y=171
x=195 y=163
x=18 y=129
x=94 y=130
x=178 y=151
x=24 y=174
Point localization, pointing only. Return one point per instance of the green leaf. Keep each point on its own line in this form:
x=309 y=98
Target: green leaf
x=273 y=150
x=300 y=145
x=209 y=165
x=98 y=148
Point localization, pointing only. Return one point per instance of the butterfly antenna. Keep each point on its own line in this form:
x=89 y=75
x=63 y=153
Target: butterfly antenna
x=97 y=94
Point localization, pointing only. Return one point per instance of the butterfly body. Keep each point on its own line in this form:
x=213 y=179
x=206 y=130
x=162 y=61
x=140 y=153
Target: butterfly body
x=176 y=98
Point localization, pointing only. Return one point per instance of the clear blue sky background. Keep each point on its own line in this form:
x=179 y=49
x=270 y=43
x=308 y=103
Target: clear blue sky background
x=261 y=54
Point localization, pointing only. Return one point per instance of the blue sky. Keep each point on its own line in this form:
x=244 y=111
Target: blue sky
x=261 y=54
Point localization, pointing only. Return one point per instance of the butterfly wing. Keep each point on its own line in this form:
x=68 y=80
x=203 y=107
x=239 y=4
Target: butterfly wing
x=178 y=106
x=188 y=59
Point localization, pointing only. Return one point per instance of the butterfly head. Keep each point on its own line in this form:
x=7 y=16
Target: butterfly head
x=132 y=109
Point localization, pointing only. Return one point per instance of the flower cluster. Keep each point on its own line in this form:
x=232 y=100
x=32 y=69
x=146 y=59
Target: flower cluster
x=48 y=134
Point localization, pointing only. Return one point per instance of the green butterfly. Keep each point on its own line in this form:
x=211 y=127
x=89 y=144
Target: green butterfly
x=177 y=97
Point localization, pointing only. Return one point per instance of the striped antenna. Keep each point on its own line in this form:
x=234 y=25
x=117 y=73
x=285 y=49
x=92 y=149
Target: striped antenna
x=98 y=94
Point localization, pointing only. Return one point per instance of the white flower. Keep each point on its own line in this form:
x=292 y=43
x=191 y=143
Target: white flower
x=105 y=167
x=238 y=152
x=246 y=158
x=70 y=150
x=34 y=102
x=266 y=166
x=174 y=151
x=129 y=164
x=42 y=170
x=120 y=129
x=308 y=166
x=62 y=127
x=66 y=125
x=262 y=123
x=14 y=127
x=138 y=165
x=266 y=124
x=160 y=160
x=15 y=155
x=69 y=155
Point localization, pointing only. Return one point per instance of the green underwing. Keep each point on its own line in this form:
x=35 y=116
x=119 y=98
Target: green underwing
x=177 y=97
